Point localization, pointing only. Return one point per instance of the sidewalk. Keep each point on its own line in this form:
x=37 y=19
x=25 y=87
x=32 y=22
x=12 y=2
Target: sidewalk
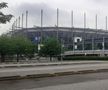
x=40 y=70
x=11 y=65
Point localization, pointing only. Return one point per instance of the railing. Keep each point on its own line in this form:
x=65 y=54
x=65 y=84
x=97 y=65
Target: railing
x=85 y=52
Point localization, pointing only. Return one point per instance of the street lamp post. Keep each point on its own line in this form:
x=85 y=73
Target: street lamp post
x=61 y=58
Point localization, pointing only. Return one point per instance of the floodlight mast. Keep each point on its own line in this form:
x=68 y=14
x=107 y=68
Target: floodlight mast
x=106 y=21
x=41 y=26
x=22 y=19
x=83 y=45
x=96 y=21
x=26 y=19
x=84 y=20
x=57 y=22
x=72 y=22
x=19 y=22
x=26 y=23
x=72 y=19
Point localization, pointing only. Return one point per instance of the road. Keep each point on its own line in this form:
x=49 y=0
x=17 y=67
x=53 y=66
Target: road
x=94 y=81
x=24 y=71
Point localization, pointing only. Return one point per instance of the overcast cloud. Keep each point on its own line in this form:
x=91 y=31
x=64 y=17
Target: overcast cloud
x=91 y=7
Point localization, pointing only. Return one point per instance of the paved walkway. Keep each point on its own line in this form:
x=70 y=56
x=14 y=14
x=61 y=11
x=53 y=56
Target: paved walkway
x=10 y=65
x=52 y=68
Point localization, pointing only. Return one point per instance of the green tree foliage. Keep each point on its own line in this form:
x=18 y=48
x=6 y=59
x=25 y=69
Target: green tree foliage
x=5 y=47
x=4 y=18
x=19 y=46
x=51 y=47
x=23 y=46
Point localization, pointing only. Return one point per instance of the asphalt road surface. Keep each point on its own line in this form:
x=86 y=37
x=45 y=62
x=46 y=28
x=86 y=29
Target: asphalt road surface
x=95 y=81
x=23 y=71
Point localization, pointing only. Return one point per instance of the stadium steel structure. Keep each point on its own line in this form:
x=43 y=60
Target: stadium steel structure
x=74 y=40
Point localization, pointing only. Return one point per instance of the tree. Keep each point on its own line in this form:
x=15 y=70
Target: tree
x=51 y=47
x=20 y=46
x=5 y=47
x=4 y=41
x=4 y=18
x=23 y=46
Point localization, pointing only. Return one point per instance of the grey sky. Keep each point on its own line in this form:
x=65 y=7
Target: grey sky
x=91 y=7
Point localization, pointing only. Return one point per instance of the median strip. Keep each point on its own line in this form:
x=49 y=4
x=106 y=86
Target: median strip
x=45 y=75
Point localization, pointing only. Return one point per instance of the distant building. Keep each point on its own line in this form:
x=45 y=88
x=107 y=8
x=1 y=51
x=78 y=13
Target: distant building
x=71 y=38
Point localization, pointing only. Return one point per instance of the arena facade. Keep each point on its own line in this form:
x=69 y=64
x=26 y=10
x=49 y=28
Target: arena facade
x=74 y=40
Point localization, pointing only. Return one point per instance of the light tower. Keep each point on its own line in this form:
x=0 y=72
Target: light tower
x=57 y=21
x=22 y=19
x=41 y=25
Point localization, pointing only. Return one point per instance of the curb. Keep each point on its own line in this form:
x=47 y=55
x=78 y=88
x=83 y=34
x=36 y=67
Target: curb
x=52 y=74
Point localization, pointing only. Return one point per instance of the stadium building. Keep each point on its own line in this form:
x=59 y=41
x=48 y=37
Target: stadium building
x=74 y=40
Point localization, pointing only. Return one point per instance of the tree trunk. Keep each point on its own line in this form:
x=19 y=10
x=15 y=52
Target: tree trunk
x=50 y=58
x=17 y=57
x=2 y=58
